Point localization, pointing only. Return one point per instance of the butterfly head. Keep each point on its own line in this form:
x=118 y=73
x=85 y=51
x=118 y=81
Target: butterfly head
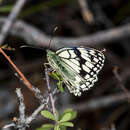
x=50 y=54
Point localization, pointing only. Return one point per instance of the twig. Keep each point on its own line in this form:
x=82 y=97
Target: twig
x=98 y=103
x=35 y=37
x=22 y=124
x=86 y=13
x=32 y=116
x=9 y=125
x=11 y=18
x=49 y=92
x=24 y=80
x=115 y=71
x=36 y=112
x=35 y=91
x=41 y=107
x=17 y=70
x=22 y=117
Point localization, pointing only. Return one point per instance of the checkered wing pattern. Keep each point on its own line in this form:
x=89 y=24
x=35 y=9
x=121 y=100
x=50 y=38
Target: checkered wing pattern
x=81 y=67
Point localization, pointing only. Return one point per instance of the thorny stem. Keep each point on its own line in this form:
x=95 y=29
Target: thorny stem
x=49 y=92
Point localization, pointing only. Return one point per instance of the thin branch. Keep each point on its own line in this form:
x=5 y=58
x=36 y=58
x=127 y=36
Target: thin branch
x=49 y=92
x=23 y=124
x=33 y=116
x=100 y=102
x=35 y=37
x=22 y=78
x=86 y=13
x=35 y=91
x=40 y=108
x=21 y=104
x=10 y=20
x=9 y=125
x=37 y=111
x=17 y=70
x=22 y=117
x=121 y=84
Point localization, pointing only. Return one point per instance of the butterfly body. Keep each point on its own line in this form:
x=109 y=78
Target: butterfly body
x=78 y=66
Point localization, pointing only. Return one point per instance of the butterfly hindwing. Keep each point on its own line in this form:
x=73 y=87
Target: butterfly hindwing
x=81 y=66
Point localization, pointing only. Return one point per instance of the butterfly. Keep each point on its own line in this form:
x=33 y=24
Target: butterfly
x=78 y=67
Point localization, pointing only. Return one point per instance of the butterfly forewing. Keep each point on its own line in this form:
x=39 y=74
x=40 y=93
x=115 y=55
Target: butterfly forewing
x=82 y=64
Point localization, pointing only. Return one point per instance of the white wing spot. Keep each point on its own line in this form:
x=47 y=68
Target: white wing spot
x=87 y=76
x=84 y=89
x=98 y=65
x=95 y=59
x=73 y=55
x=86 y=68
x=92 y=52
x=64 y=54
x=95 y=69
x=91 y=85
x=75 y=61
x=92 y=73
x=100 y=54
x=87 y=83
x=100 y=58
x=89 y=64
x=86 y=57
x=83 y=86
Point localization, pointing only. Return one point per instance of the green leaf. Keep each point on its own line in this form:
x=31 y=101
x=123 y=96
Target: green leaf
x=73 y=113
x=57 y=114
x=58 y=77
x=48 y=115
x=57 y=127
x=54 y=75
x=39 y=129
x=66 y=117
x=63 y=127
x=47 y=126
x=60 y=86
x=67 y=124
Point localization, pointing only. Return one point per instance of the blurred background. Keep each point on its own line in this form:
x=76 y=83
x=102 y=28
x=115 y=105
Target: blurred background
x=92 y=23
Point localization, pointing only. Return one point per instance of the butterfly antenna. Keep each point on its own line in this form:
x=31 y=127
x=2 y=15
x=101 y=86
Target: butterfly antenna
x=54 y=30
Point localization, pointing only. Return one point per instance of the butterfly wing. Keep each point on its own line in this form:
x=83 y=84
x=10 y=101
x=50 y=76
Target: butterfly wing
x=84 y=64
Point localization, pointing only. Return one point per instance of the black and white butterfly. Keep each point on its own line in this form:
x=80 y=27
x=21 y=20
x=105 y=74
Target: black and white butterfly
x=78 y=66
